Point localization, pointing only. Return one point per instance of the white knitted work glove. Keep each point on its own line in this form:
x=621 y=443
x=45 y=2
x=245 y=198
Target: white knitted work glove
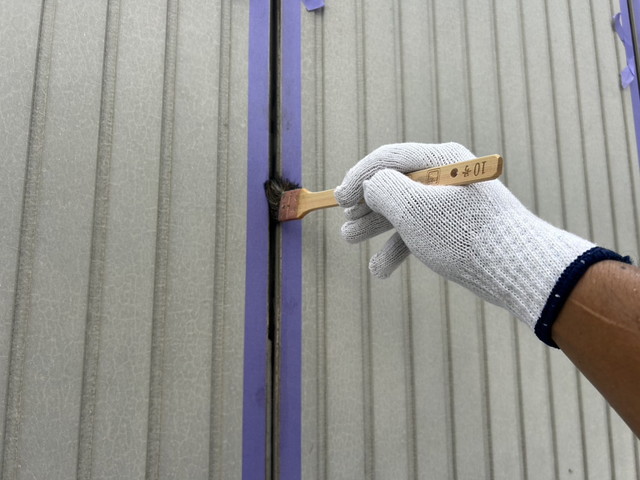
x=479 y=235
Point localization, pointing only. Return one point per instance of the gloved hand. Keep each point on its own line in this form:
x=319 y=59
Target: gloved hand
x=479 y=235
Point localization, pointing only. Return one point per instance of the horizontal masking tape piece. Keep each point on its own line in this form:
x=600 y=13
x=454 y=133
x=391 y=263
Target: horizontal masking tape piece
x=311 y=5
x=254 y=409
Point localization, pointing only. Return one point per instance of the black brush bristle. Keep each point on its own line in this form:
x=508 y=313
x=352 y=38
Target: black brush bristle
x=275 y=188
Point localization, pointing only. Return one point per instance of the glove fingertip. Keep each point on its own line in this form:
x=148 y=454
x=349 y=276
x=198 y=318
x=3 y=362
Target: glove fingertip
x=387 y=260
x=378 y=269
x=349 y=233
x=347 y=196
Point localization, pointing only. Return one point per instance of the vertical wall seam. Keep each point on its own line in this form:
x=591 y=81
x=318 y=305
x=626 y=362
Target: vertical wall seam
x=467 y=74
x=433 y=73
x=486 y=391
x=580 y=121
x=588 y=195
x=398 y=69
x=444 y=293
x=409 y=374
x=527 y=101
x=581 y=414
x=550 y=396
x=27 y=243
x=482 y=330
x=435 y=70
x=220 y=238
x=515 y=339
x=496 y=43
x=407 y=317
x=361 y=78
x=616 y=241
x=98 y=244
x=480 y=316
x=552 y=413
x=367 y=369
x=448 y=374
x=321 y=263
x=365 y=306
x=556 y=121
x=636 y=453
x=160 y=288
x=561 y=175
x=547 y=359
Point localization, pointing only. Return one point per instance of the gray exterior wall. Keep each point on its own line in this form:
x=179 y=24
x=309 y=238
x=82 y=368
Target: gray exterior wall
x=123 y=145
x=123 y=140
x=413 y=377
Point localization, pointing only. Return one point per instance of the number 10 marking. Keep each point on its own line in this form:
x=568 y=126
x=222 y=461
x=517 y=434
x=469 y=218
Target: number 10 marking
x=478 y=168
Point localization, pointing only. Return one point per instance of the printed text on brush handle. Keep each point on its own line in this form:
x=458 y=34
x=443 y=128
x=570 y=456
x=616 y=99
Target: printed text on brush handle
x=462 y=173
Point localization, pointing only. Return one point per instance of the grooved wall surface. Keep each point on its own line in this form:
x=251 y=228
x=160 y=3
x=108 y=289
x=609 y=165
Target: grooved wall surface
x=413 y=377
x=122 y=241
x=123 y=132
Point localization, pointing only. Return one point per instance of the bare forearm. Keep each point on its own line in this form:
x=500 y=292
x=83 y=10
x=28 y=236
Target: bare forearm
x=599 y=330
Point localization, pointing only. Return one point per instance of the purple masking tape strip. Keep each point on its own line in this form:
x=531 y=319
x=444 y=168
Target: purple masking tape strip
x=291 y=280
x=629 y=78
x=311 y=5
x=254 y=407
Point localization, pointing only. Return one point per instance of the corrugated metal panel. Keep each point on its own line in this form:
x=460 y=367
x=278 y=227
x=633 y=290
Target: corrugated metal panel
x=123 y=261
x=414 y=377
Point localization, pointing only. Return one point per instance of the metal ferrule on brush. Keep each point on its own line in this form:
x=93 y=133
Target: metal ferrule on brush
x=289 y=205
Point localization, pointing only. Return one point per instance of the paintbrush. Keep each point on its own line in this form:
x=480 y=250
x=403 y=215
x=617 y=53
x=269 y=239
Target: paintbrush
x=287 y=201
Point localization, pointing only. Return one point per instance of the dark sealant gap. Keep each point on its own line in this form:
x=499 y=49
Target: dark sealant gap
x=274 y=247
x=274 y=147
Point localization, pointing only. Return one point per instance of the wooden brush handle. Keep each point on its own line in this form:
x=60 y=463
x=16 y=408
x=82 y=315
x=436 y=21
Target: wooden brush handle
x=461 y=173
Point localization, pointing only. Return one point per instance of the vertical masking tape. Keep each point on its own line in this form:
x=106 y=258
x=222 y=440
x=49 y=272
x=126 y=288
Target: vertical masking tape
x=254 y=408
x=291 y=267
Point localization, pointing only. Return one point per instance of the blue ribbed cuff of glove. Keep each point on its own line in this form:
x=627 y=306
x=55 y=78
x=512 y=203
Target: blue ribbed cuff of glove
x=565 y=285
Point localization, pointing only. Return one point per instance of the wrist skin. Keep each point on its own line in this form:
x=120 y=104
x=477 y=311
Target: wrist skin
x=598 y=328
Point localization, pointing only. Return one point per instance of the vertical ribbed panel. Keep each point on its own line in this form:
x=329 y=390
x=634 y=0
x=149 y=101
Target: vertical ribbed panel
x=413 y=377
x=22 y=106
x=123 y=132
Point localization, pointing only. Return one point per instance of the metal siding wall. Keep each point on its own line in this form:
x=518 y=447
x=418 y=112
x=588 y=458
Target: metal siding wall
x=123 y=130
x=413 y=377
